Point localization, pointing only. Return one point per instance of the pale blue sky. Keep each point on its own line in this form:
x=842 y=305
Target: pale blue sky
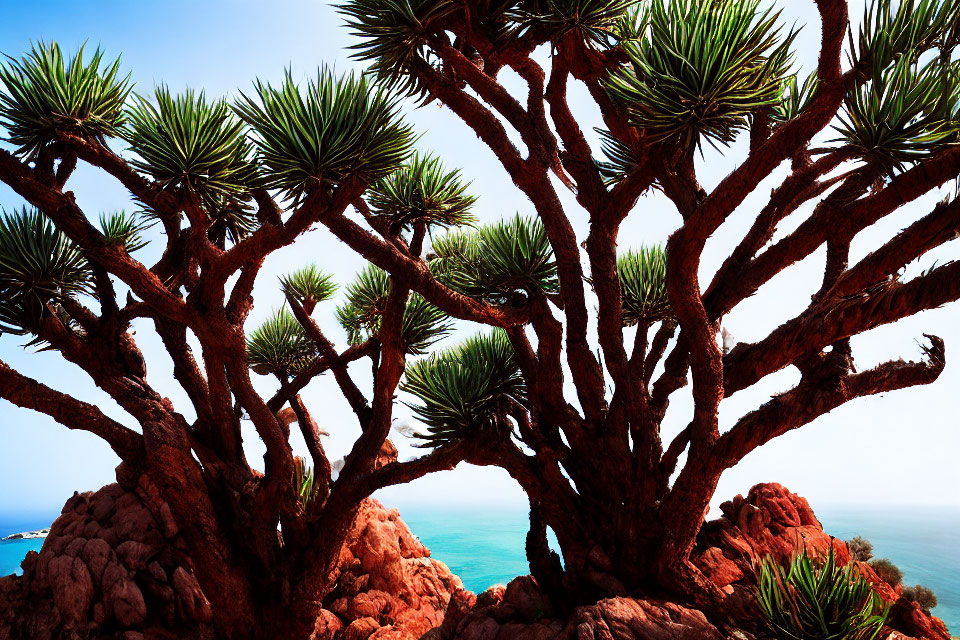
x=898 y=448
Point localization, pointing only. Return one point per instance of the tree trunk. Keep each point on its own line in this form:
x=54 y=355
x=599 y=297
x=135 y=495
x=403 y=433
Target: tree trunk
x=616 y=543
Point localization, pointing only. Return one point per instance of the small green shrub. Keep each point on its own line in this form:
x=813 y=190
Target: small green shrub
x=861 y=549
x=922 y=595
x=888 y=572
x=815 y=599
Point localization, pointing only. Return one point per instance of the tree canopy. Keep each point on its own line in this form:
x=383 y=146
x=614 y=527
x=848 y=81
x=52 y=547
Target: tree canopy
x=587 y=337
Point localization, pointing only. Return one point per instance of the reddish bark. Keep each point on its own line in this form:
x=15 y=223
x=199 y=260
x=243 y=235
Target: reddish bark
x=600 y=477
x=598 y=473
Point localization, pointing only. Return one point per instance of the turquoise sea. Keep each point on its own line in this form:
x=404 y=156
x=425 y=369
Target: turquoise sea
x=485 y=546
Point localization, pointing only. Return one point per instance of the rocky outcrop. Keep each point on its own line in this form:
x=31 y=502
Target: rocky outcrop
x=114 y=566
x=772 y=521
x=389 y=588
x=769 y=521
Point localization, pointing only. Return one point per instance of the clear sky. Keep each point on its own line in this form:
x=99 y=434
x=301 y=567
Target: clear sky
x=893 y=449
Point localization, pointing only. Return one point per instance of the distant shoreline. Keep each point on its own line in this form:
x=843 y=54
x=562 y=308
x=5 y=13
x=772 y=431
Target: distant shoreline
x=27 y=535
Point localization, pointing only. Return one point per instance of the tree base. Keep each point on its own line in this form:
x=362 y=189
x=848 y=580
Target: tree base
x=114 y=567
x=768 y=521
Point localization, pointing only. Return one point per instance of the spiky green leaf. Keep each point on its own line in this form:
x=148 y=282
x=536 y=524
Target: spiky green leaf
x=39 y=267
x=795 y=97
x=422 y=191
x=907 y=28
x=596 y=22
x=501 y=263
x=361 y=315
x=122 y=229
x=622 y=160
x=643 y=283
x=318 y=136
x=308 y=285
x=43 y=93
x=393 y=36
x=467 y=391
x=702 y=69
x=185 y=140
x=816 y=599
x=903 y=114
x=303 y=482
x=280 y=346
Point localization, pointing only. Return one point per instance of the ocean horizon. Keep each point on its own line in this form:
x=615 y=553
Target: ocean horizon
x=485 y=545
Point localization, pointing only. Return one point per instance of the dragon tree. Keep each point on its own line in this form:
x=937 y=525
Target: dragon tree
x=871 y=130
x=218 y=187
x=621 y=325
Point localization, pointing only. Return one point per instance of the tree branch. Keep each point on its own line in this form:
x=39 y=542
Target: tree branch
x=72 y=413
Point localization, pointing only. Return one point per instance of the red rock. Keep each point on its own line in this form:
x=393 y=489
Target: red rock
x=908 y=618
x=387 y=574
x=88 y=576
x=388 y=453
x=524 y=602
x=371 y=604
x=72 y=589
x=718 y=568
x=124 y=601
x=361 y=629
x=156 y=572
x=125 y=572
x=460 y=605
x=134 y=555
x=630 y=619
x=770 y=521
x=327 y=626
x=97 y=554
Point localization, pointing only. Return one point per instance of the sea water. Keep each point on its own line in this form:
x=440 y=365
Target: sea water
x=485 y=546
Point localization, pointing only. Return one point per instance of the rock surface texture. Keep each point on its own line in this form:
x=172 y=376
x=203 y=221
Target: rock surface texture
x=389 y=588
x=768 y=521
x=114 y=567
x=521 y=612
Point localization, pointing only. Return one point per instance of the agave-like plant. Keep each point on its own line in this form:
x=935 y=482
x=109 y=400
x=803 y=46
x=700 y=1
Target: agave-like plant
x=815 y=599
x=39 y=268
x=701 y=69
x=643 y=283
x=319 y=136
x=280 y=346
x=45 y=94
x=421 y=191
x=360 y=316
x=187 y=141
x=903 y=114
x=466 y=390
x=122 y=229
x=308 y=286
x=498 y=263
